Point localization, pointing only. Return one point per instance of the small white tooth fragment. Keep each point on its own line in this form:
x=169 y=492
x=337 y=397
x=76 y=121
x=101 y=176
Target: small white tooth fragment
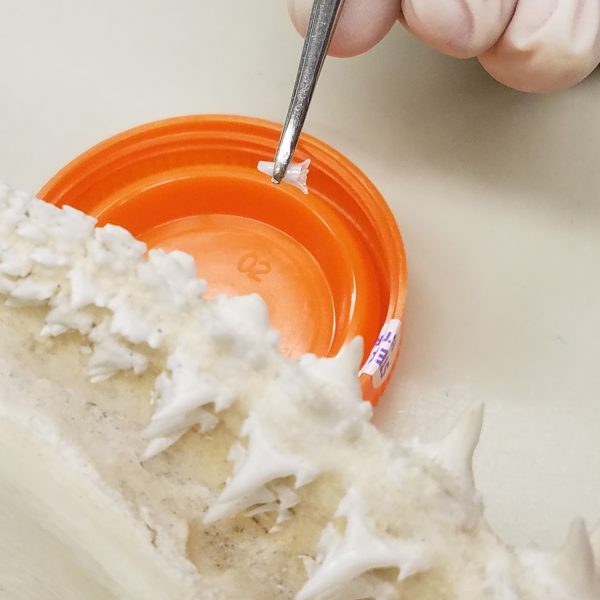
x=295 y=175
x=455 y=451
x=574 y=562
x=342 y=559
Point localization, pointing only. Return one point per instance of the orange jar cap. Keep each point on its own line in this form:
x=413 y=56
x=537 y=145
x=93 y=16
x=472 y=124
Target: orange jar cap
x=330 y=265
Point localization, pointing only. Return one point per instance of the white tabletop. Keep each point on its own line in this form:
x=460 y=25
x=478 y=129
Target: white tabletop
x=496 y=194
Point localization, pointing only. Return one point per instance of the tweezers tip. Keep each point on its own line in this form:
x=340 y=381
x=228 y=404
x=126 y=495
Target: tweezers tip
x=279 y=171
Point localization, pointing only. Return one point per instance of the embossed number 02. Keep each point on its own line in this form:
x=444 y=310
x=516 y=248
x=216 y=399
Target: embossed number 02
x=254 y=268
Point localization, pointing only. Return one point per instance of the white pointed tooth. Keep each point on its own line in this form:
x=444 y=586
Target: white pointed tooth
x=455 y=451
x=574 y=562
x=346 y=362
x=349 y=358
x=360 y=549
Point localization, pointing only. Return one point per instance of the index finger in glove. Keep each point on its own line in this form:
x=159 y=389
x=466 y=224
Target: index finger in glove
x=361 y=25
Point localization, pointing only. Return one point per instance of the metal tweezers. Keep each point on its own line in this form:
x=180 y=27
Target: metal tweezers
x=323 y=19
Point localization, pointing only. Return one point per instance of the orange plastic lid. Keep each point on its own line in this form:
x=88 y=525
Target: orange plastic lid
x=330 y=265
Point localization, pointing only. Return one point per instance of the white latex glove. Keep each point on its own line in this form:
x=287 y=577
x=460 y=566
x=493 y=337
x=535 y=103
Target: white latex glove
x=529 y=45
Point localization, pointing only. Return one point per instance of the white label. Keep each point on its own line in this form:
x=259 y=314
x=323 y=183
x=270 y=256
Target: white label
x=383 y=354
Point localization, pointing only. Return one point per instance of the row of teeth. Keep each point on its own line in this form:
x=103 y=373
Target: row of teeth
x=58 y=258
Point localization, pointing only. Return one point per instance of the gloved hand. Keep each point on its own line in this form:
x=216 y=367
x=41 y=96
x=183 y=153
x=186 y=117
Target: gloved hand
x=529 y=45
